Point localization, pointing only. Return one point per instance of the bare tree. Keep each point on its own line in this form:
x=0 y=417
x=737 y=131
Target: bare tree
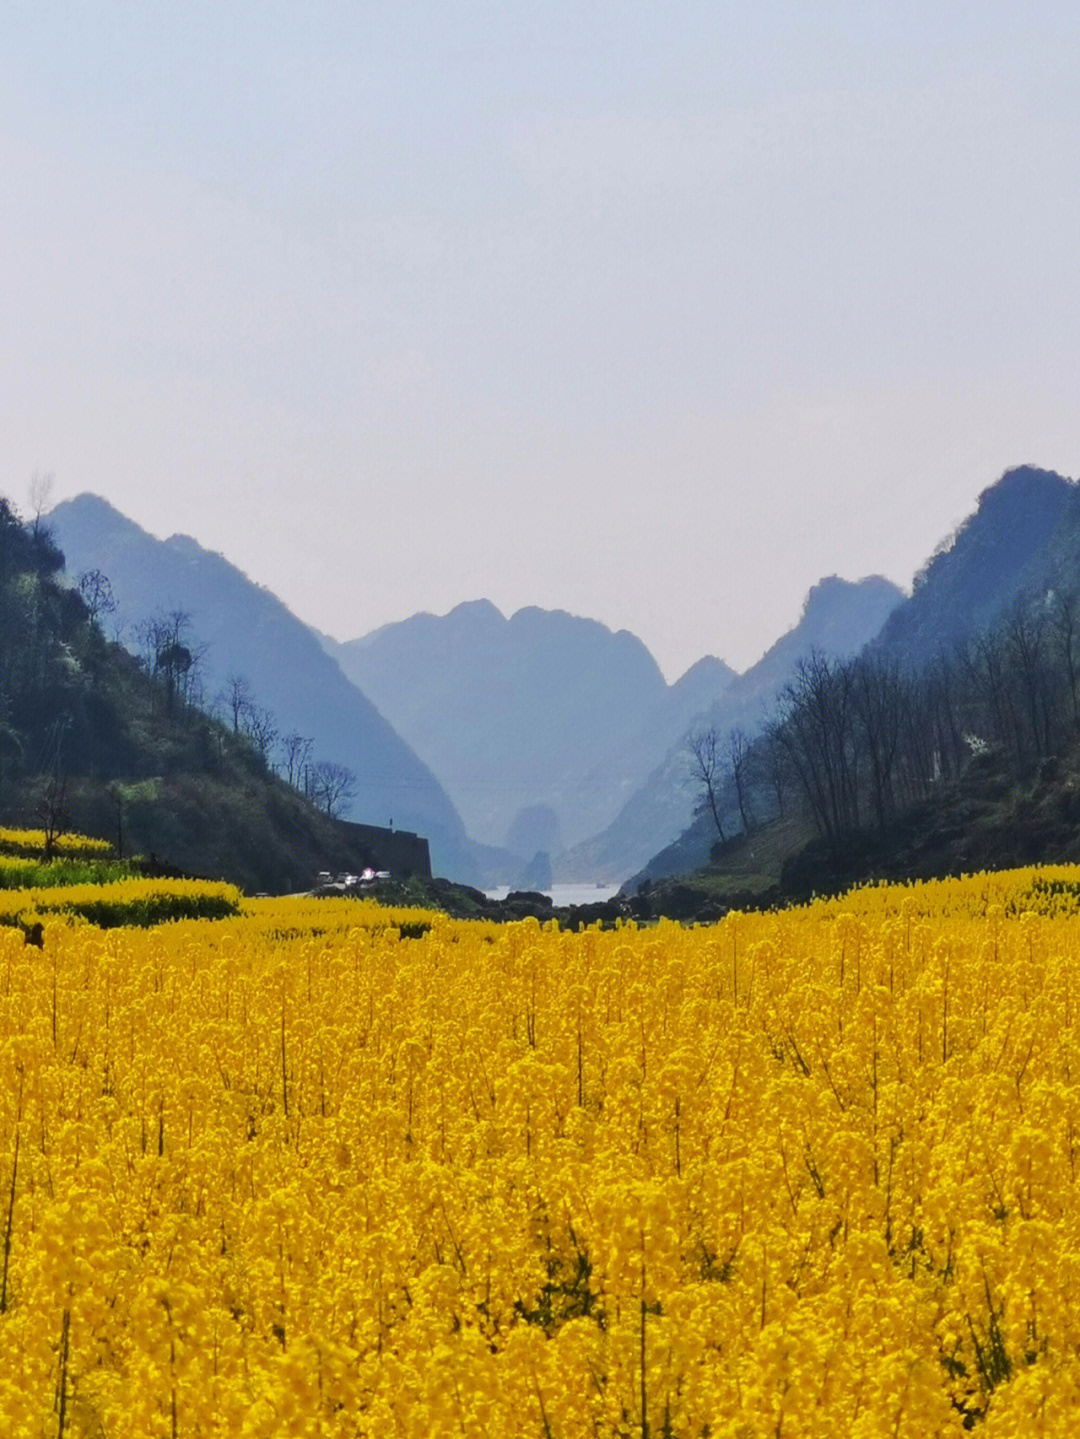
x=925 y=749
x=41 y=488
x=97 y=594
x=879 y=695
x=705 y=772
x=52 y=812
x=817 y=731
x=152 y=636
x=260 y=728
x=175 y=657
x=1063 y=612
x=50 y=806
x=175 y=663
x=332 y=786
x=296 y=755
x=45 y=554
x=170 y=656
x=237 y=700
x=775 y=769
x=1025 y=636
x=738 y=758
x=986 y=682
x=943 y=678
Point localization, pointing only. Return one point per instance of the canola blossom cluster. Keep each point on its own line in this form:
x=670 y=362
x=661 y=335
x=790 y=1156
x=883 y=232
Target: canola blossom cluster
x=122 y=901
x=34 y=841
x=79 y=878
x=326 y=1169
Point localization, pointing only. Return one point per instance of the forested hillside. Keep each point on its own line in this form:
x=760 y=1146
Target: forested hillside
x=965 y=709
x=95 y=738
x=838 y=618
x=258 y=661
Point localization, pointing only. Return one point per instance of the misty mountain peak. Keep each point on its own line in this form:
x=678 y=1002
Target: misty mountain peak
x=477 y=611
x=831 y=598
x=1023 y=488
x=93 y=515
x=839 y=615
x=545 y=711
x=998 y=549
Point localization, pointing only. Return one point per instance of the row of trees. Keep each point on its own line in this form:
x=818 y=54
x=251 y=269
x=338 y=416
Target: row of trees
x=326 y=783
x=173 y=663
x=856 y=741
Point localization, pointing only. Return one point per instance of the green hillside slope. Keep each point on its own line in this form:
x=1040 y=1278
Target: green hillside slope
x=94 y=740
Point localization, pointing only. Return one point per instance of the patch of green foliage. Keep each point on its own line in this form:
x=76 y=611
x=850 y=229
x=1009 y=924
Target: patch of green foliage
x=146 y=910
x=138 y=908
x=1043 y=895
x=50 y=873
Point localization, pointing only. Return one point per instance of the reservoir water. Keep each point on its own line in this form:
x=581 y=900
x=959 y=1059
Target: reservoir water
x=566 y=894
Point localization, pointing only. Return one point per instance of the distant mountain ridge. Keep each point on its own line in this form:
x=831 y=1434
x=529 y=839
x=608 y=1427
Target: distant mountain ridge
x=539 y=724
x=497 y=737
x=247 y=631
x=1019 y=544
x=838 y=618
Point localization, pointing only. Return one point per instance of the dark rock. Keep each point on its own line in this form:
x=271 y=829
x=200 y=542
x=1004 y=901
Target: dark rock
x=606 y=911
x=529 y=897
x=537 y=873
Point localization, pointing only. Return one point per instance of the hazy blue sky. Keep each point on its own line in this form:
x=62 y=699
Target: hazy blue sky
x=653 y=312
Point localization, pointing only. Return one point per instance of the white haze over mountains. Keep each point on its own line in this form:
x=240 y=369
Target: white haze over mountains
x=541 y=723
x=655 y=313
x=495 y=737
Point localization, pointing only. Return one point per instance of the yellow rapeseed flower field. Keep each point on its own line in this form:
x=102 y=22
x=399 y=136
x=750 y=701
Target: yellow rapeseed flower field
x=122 y=901
x=326 y=1169
x=32 y=842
